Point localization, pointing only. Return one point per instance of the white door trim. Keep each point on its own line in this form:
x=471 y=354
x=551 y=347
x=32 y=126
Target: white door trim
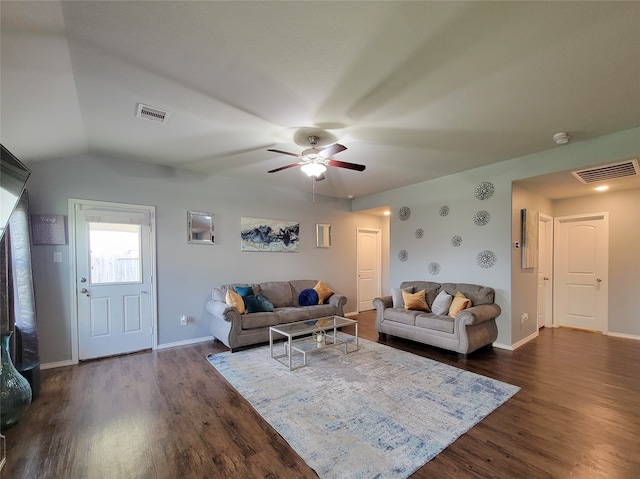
x=547 y=243
x=73 y=290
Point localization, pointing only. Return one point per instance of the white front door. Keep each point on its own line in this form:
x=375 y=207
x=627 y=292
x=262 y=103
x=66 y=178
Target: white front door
x=581 y=264
x=545 y=271
x=114 y=278
x=369 y=258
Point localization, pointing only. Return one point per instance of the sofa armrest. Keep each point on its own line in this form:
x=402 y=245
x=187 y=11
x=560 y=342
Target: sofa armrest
x=223 y=311
x=338 y=300
x=381 y=304
x=478 y=314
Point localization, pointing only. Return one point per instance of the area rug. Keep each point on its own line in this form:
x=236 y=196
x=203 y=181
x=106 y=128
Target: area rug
x=377 y=412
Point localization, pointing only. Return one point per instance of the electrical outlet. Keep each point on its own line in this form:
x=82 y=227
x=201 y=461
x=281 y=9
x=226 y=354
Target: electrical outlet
x=184 y=320
x=525 y=317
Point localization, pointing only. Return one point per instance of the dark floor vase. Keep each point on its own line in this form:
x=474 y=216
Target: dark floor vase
x=15 y=392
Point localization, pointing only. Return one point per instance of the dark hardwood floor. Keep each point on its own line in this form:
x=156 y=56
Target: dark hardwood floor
x=169 y=414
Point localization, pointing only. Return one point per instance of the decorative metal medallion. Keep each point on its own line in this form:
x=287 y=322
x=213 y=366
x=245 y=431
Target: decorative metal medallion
x=485 y=259
x=484 y=190
x=419 y=233
x=481 y=218
x=444 y=210
x=434 y=268
x=403 y=255
x=456 y=241
x=404 y=213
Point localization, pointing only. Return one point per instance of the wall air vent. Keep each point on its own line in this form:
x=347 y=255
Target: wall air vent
x=623 y=169
x=151 y=113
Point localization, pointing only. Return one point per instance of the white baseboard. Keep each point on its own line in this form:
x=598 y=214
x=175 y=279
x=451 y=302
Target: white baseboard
x=515 y=346
x=624 y=335
x=58 y=364
x=186 y=342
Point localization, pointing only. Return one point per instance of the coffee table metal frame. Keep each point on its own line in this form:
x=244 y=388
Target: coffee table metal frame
x=299 y=338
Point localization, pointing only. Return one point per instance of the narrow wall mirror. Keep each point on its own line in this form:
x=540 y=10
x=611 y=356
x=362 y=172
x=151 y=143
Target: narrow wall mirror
x=323 y=236
x=200 y=227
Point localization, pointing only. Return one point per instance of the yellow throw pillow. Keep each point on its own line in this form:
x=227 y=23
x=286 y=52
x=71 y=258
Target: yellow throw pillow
x=415 y=301
x=234 y=299
x=460 y=302
x=323 y=292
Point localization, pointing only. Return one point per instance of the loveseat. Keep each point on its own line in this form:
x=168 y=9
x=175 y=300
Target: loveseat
x=238 y=330
x=472 y=328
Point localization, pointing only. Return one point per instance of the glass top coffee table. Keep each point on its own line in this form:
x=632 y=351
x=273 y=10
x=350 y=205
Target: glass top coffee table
x=309 y=336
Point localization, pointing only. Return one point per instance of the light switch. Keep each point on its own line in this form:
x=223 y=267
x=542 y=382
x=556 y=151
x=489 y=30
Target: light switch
x=57 y=257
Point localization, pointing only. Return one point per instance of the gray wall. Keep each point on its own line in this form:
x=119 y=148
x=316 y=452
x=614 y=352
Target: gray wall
x=524 y=281
x=457 y=192
x=186 y=273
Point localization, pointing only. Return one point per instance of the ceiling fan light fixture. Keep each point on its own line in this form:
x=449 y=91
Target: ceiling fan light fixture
x=313 y=169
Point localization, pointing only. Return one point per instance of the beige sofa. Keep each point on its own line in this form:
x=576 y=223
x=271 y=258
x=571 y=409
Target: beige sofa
x=471 y=329
x=237 y=330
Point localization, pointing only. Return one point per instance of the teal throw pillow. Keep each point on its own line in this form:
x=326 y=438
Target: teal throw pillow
x=265 y=304
x=251 y=304
x=244 y=291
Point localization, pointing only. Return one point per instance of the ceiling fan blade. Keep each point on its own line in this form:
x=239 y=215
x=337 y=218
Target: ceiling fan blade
x=344 y=164
x=332 y=150
x=283 y=168
x=285 y=153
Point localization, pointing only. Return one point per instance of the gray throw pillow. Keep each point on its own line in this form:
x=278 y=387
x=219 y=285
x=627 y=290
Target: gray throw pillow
x=441 y=303
x=396 y=296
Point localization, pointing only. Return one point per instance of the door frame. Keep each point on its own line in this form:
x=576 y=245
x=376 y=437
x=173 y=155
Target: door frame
x=73 y=278
x=378 y=233
x=547 y=244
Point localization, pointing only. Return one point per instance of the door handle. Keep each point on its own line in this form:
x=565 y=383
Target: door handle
x=545 y=279
x=84 y=291
x=598 y=280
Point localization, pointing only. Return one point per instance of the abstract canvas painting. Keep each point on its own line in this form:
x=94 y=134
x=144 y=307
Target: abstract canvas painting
x=260 y=234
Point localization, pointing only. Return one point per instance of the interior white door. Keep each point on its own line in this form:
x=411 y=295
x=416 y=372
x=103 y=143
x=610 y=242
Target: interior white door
x=581 y=265
x=114 y=275
x=545 y=271
x=369 y=259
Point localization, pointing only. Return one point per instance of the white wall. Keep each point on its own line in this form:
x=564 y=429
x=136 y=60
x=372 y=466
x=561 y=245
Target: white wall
x=186 y=273
x=457 y=191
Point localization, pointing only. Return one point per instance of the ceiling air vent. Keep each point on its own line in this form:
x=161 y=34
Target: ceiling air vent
x=613 y=171
x=151 y=113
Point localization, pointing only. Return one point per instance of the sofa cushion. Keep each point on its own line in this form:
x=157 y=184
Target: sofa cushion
x=308 y=297
x=289 y=315
x=323 y=292
x=437 y=323
x=396 y=296
x=259 y=320
x=460 y=302
x=442 y=303
x=235 y=300
x=476 y=293
x=404 y=316
x=278 y=292
x=321 y=310
x=415 y=301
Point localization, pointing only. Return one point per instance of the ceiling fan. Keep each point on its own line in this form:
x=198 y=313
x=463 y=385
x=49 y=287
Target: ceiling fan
x=314 y=161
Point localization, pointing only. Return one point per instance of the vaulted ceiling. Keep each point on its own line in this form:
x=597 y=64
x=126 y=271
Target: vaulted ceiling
x=415 y=90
